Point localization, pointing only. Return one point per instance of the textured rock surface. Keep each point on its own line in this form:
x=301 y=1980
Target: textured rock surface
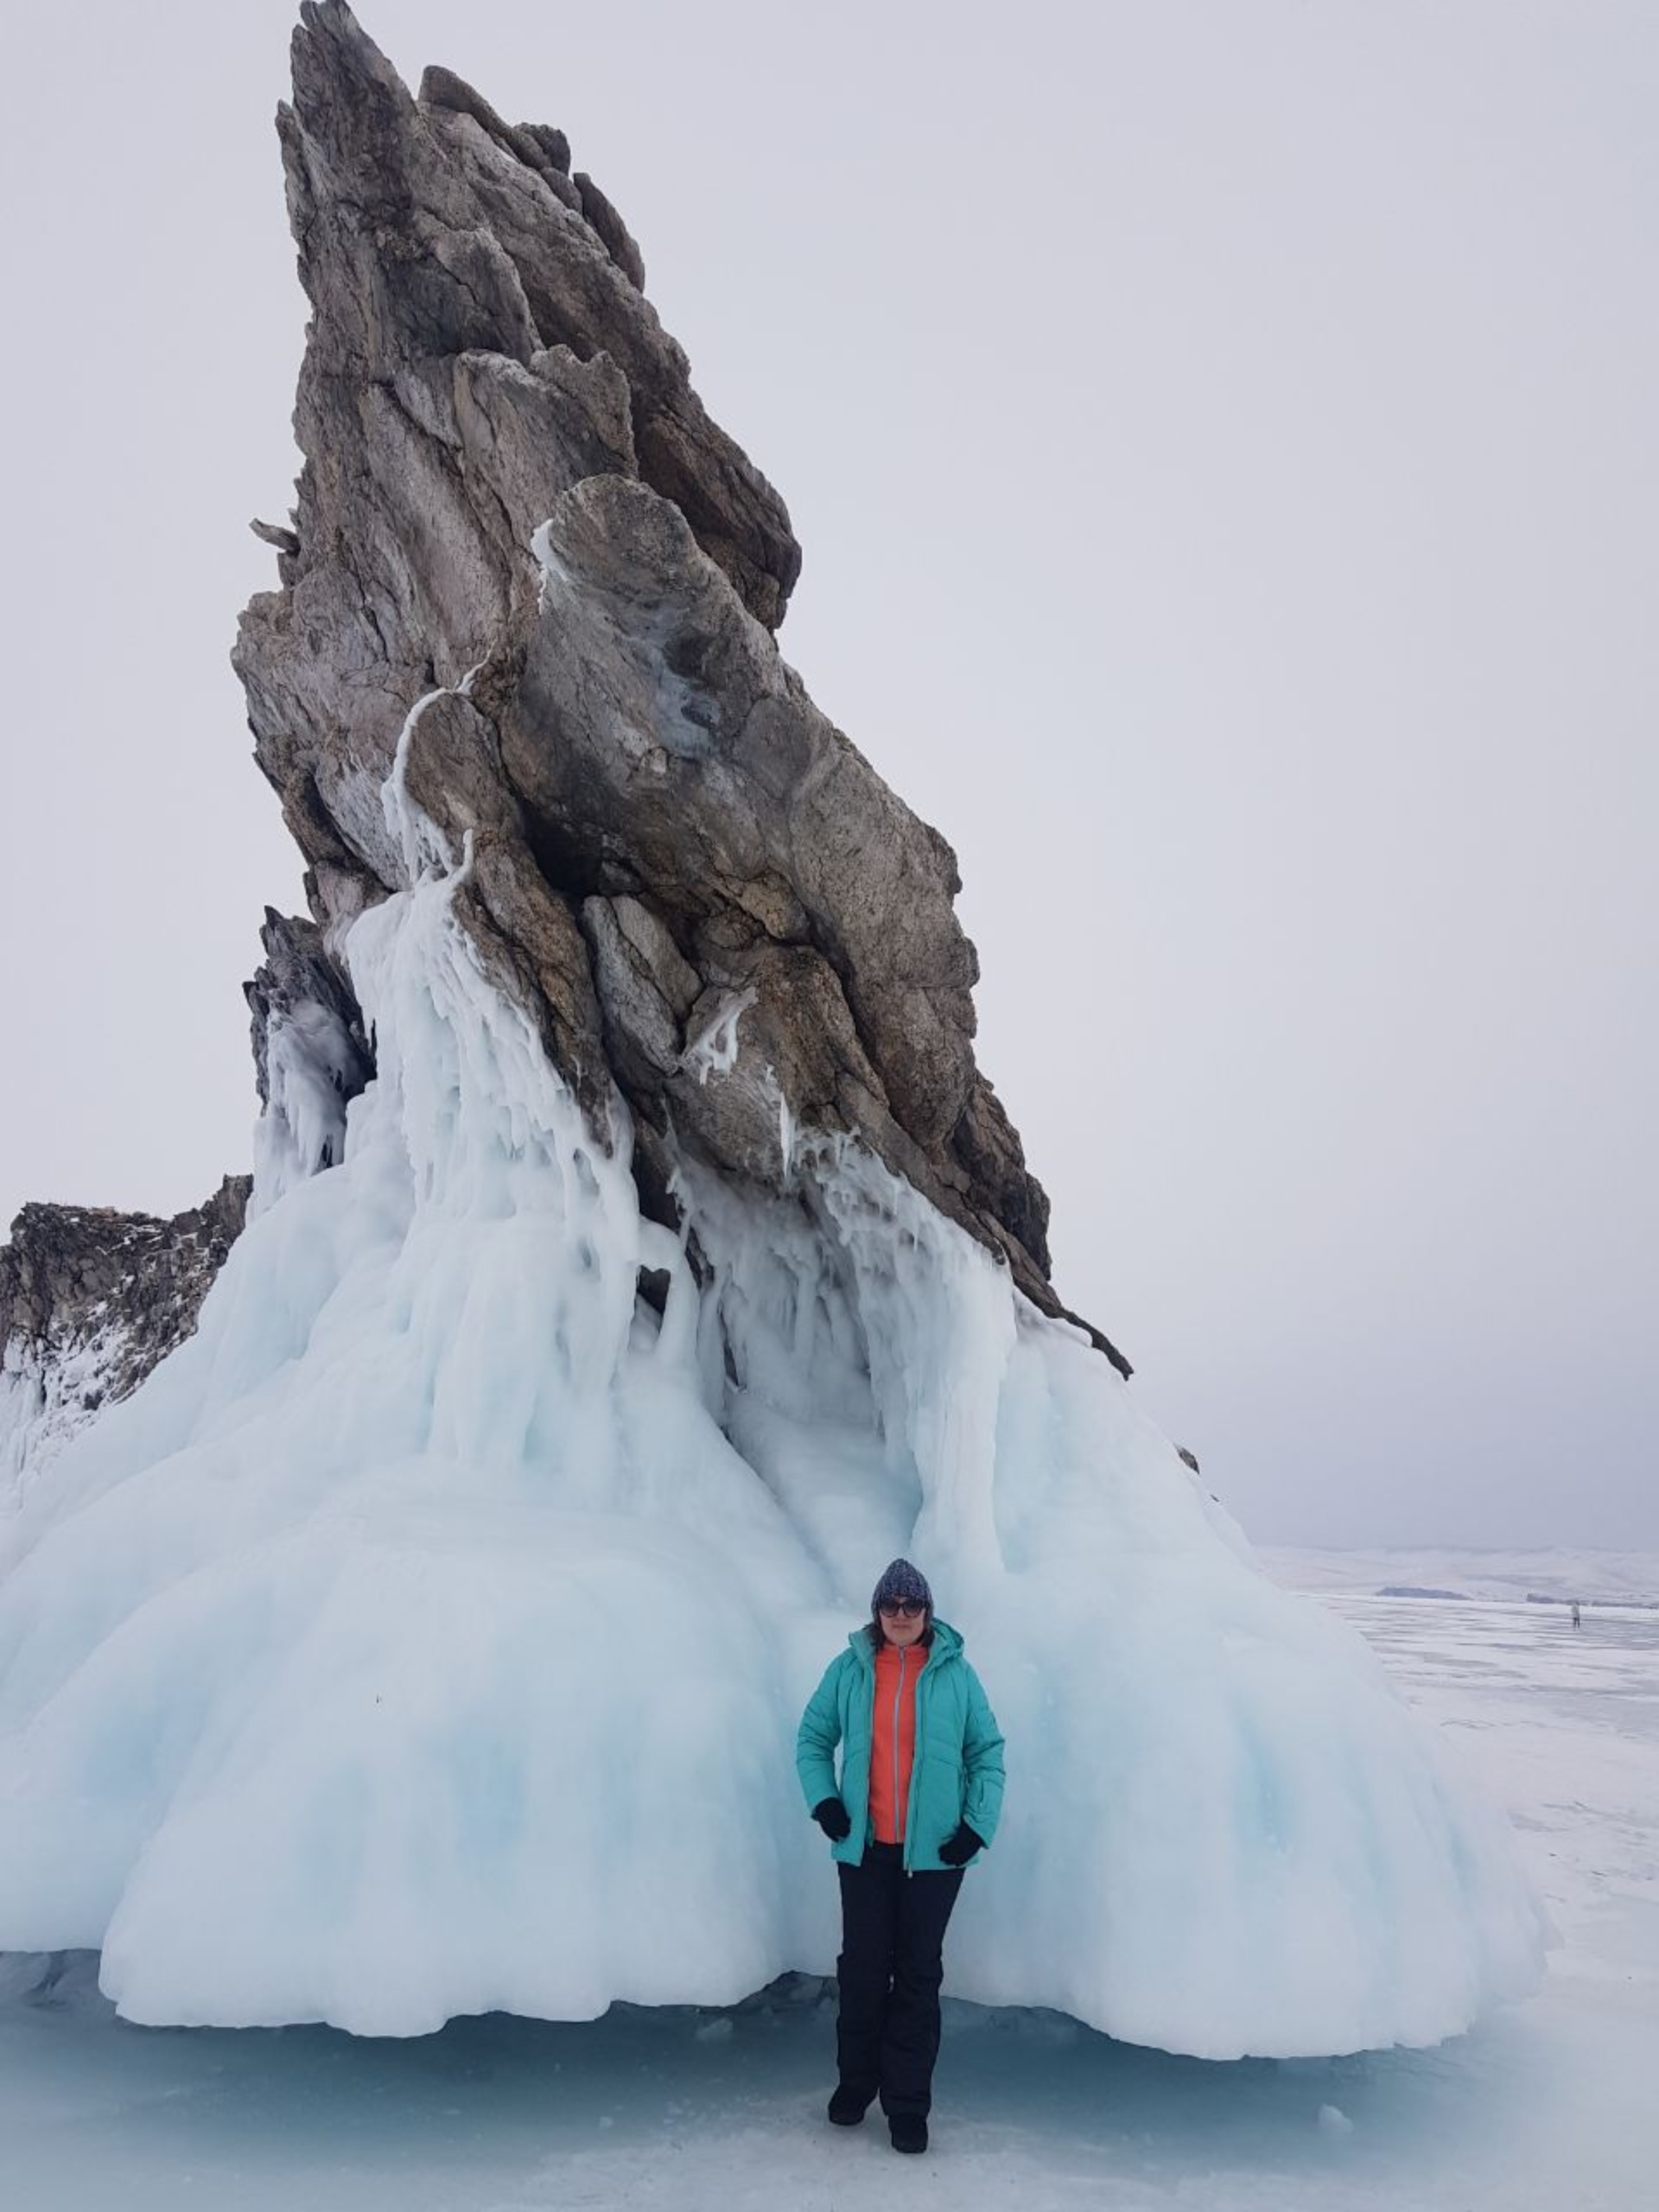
x=299 y=981
x=311 y=1055
x=90 y=1301
x=512 y=498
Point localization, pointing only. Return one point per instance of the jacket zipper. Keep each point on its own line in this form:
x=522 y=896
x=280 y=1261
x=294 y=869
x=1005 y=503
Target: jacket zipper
x=900 y=1811
x=915 y=1770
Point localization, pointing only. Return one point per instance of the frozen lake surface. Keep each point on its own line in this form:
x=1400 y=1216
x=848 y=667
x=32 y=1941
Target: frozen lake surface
x=1555 y=2104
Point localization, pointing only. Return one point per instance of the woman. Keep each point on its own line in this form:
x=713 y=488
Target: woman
x=918 y=1795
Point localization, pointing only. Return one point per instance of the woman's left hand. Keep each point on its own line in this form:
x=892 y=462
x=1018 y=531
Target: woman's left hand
x=958 y=1849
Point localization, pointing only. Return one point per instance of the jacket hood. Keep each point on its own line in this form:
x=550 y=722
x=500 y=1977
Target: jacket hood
x=947 y=1645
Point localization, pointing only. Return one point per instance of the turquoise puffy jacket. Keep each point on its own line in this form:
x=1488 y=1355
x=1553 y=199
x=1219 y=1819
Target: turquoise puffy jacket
x=956 y=1766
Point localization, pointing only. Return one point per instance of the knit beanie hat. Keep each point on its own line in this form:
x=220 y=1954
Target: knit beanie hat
x=901 y=1584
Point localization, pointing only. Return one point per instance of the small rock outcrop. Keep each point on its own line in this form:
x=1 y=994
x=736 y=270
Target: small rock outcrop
x=90 y=1301
x=311 y=1055
x=300 y=984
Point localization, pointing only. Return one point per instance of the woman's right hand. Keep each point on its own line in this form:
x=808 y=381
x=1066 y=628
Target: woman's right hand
x=831 y=1817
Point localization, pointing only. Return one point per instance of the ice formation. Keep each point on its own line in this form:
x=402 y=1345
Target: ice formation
x=47 y=1399
x=302 y=1128
x=428 y=1633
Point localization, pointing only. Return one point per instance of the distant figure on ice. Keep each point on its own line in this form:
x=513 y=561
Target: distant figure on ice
x=1578 y=1618
x=919 y=1795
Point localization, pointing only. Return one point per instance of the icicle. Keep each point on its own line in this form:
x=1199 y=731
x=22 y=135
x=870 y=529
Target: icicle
x=713 y=1050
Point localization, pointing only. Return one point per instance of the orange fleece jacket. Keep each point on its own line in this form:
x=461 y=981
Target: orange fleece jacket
x=892 y=1739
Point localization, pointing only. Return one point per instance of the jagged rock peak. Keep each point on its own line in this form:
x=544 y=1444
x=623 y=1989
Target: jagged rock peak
x=548 y=152
x=528 y=575
x=417 y=237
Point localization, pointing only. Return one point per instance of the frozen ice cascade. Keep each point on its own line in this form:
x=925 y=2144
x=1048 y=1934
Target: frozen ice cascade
x=427 y=1634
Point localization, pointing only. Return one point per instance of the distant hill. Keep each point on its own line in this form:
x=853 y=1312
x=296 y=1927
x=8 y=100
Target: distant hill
x=1544 y=1575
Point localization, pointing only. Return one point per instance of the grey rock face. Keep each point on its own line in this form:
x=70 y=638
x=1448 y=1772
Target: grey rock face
x=311 y=1056
x=90 y=1301
x=512 y=498
x=299 y=981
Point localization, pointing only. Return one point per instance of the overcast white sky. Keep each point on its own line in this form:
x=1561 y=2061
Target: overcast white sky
x=1224 y=439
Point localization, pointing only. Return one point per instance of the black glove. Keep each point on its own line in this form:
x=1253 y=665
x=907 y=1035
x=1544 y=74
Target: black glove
x=831 y=1817
x=957 y=1850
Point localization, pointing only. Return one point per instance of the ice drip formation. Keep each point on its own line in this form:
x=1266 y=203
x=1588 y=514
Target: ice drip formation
x=636 y=1260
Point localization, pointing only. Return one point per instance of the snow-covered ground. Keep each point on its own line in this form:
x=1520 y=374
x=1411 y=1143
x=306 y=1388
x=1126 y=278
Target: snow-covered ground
x=1554 y=2105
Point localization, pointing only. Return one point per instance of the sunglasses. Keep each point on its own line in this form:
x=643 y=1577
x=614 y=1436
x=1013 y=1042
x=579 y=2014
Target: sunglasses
x=910 y=1611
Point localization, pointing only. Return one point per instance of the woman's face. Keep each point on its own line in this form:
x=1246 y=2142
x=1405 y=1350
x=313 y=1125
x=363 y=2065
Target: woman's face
x=903 y=1624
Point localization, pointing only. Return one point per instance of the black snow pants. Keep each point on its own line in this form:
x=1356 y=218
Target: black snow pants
x=891 y=1963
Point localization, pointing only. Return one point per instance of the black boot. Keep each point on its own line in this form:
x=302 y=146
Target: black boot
x=907 y=2131
x=848 y=2107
